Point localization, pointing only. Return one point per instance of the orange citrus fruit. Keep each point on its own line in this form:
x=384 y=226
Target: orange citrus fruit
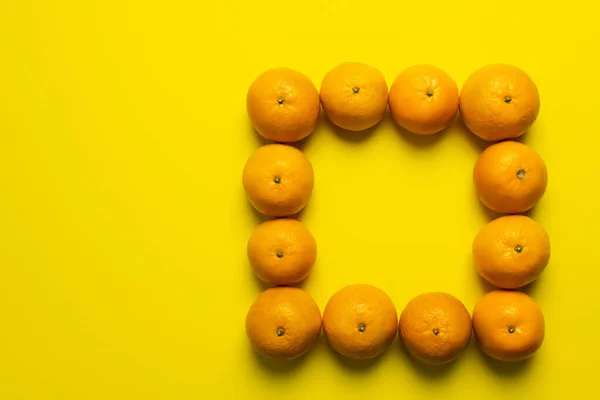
x=283 y=322
x=423 y=99
x=508 y=325
x=499 y=102
x=354 y=96
x=360 y=321
x=510 y=177
x=278 y=180
x=283 y=105
x=511 y=251
x=435 y=327
x=282 y=251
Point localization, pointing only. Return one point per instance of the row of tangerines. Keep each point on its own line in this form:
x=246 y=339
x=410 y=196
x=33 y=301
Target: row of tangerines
x=496 y=102
x=510 y=252
x=360 y=322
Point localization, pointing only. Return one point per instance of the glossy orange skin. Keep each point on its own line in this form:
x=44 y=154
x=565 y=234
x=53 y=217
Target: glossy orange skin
x=354 y=96
x=510 y=177
x=282 y=251
x=278 y=180
x=498 y=102
x=355 y=305
x=511 y=251
x=287 y=308
x=435 y=327
x=423 y=99
x=283 y=105
x=500 y=311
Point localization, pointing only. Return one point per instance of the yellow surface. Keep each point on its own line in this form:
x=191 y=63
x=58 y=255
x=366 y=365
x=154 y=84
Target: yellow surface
x=123 y=272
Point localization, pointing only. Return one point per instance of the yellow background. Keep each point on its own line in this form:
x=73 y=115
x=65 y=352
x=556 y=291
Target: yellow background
x=123 y=222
